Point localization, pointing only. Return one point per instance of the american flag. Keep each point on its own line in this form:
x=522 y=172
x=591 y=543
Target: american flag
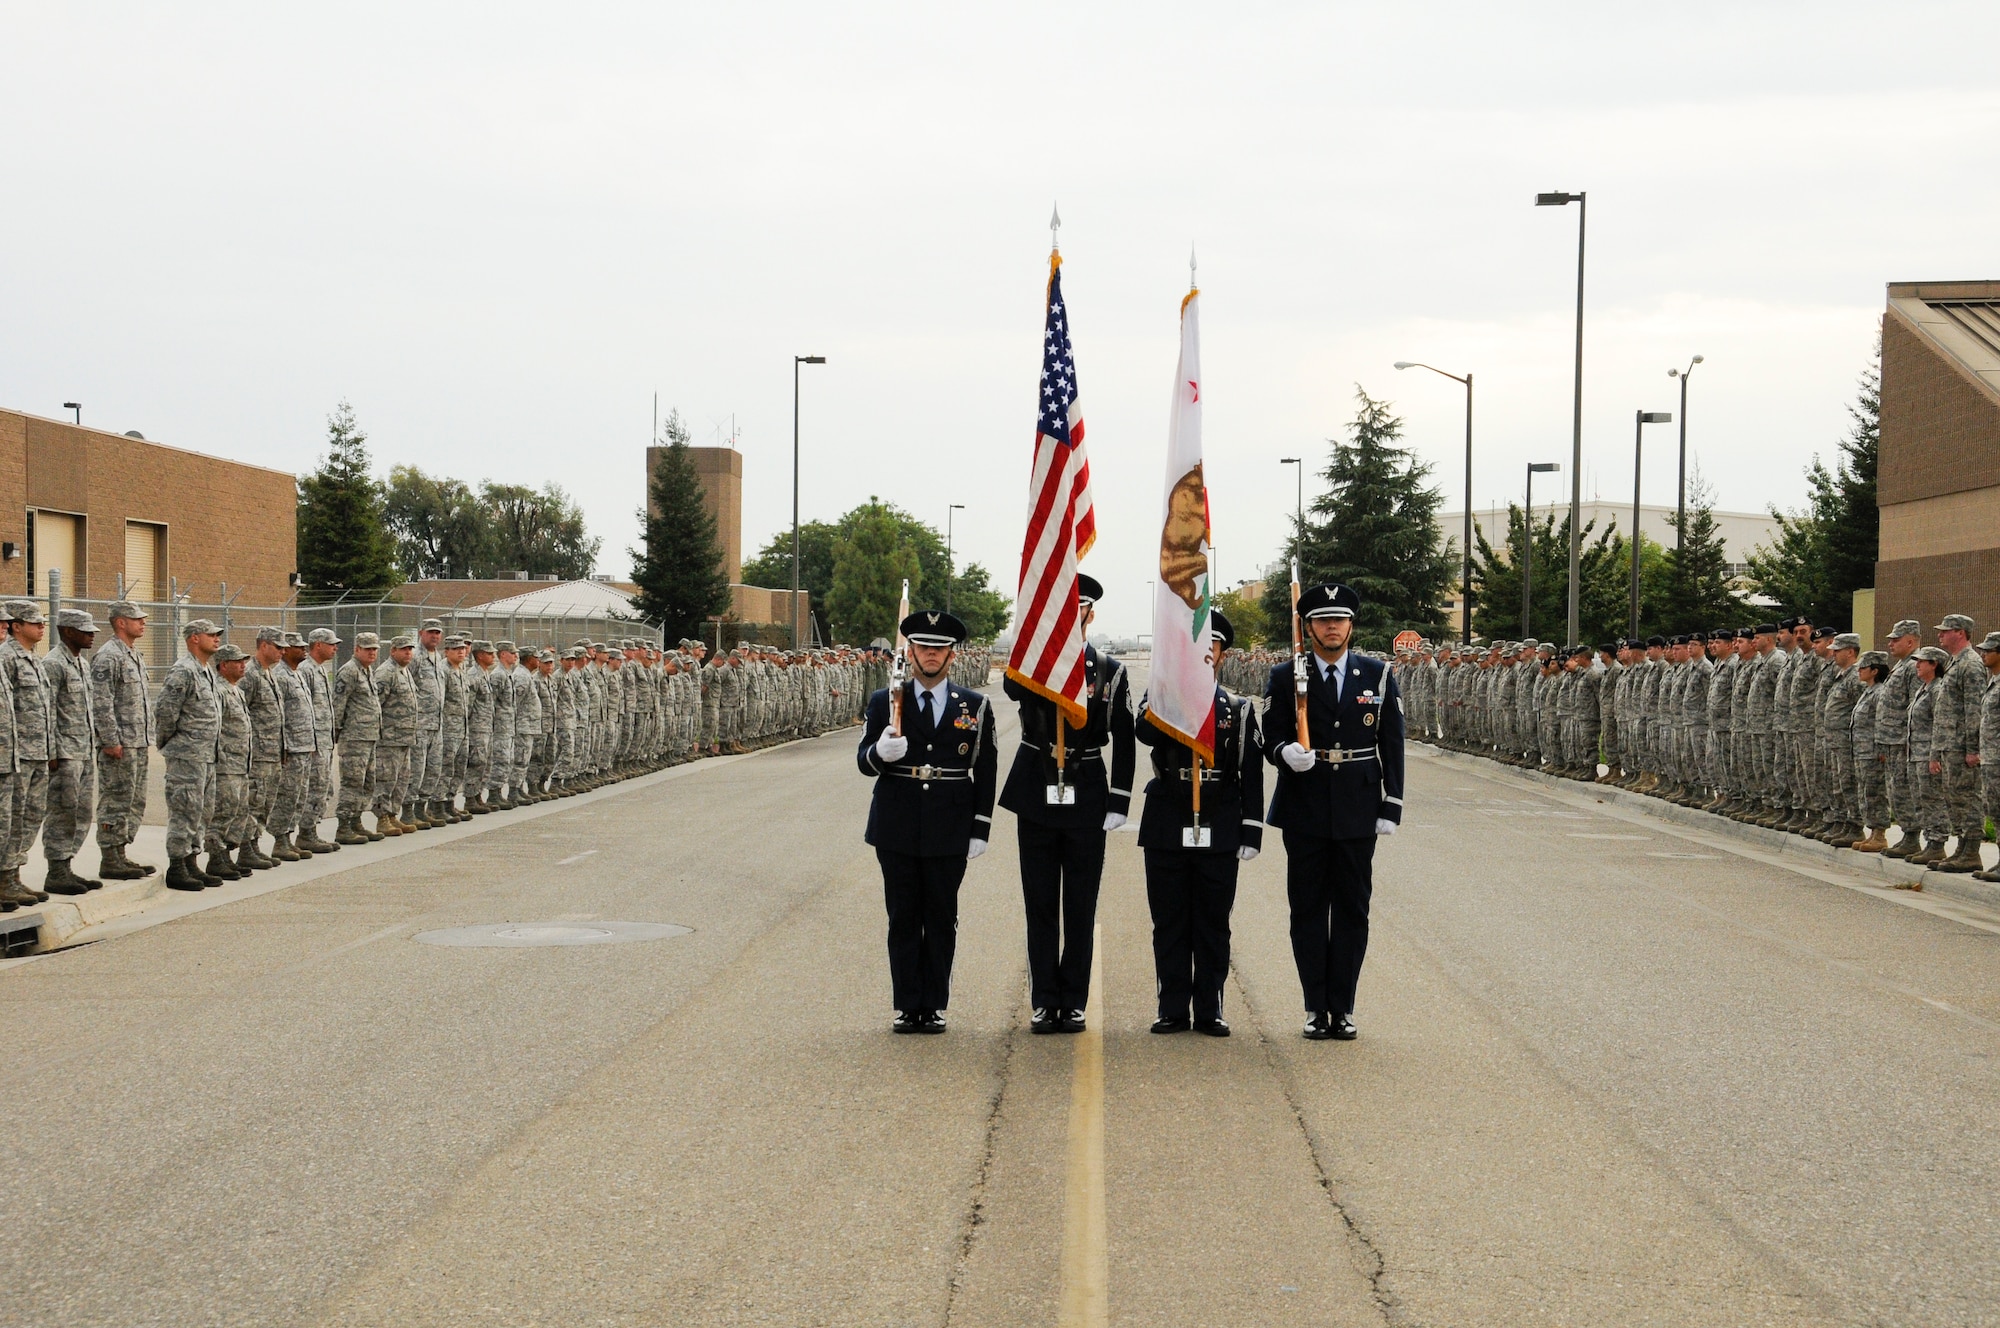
x=1062 y=525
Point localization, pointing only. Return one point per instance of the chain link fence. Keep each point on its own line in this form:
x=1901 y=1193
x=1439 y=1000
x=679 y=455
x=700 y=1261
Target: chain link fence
x=386 y=618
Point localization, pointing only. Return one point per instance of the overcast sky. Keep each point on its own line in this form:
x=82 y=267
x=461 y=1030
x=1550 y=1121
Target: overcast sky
x=499 y=229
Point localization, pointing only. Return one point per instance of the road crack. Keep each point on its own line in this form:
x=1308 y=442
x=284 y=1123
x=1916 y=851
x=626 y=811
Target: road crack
x=1362 y=1250
x=975 y=1214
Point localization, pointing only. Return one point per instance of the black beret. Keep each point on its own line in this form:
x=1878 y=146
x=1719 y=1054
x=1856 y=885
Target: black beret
x=1652 y=641
x=1822 y=633
x=1767 y=629
x=1608 y=648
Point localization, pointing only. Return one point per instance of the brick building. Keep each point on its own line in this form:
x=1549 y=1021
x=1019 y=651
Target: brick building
x=1939 y=479
x=720 y=470
x=111 y=511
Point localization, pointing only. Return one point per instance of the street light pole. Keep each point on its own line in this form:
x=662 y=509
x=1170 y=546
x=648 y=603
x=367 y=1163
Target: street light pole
x=797 y=360
x=1299 y=513
x=1576 y=418
x=76 y=406
x=1641 y=419
x=948 y=568
x=1528 y=545
x=1681 y=519
x=1465 y=543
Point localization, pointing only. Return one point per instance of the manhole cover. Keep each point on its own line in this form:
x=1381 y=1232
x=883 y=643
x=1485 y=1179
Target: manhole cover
x=517 y=935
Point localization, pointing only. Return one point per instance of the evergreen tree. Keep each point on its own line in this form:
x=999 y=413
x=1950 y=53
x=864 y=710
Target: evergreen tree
x=870 y=563
x=344 y=544
x=680 y=576
x=1374 y=529
x=1700 y=592
x=1826 y=552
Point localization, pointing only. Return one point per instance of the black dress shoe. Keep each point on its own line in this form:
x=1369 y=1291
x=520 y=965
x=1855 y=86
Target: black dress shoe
x=1212 y=1027
x=1319 y=1028
x=1165 y=1025
x=930 y=1021
x=1343 y=1029
x=906 y=1022
x=1045 y=1021
x=1070 y=1021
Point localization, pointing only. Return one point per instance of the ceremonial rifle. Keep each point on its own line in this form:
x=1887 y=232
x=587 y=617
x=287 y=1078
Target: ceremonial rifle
x=899 y=664
x=1299 y=660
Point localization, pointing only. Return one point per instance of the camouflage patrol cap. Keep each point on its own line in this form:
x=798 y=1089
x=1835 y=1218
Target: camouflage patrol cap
x=271 y=634
x=1874 y=659
x=453 y=642
x=1530 y=644
x=583 y=642
x=227 y=654
x=1904 y=627
x=24 y=611
x=293 y=641
x=507 y=646
x=483 y=647
x=125 y=608
x=432 y=625
x=404 y=642
x=77 y=620
x=1934 y=655
x=1991 y=645
x=1851 y=641
x=366 y=641
x=574 y=652
x=193 y=627
x=322 y=636
x=547 y=656
x=1954 y=622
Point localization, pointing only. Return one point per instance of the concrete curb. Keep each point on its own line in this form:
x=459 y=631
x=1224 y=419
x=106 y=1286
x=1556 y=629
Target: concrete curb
x=1889 y=871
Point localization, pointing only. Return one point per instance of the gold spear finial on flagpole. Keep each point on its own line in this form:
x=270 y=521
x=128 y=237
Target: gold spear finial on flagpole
x=1055 y=224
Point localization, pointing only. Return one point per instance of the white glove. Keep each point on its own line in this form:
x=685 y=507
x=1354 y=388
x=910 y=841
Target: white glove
x=1245 y=853
x=1112 y=820
x=1383 y=827
x=892 y=747
x=1297 y=757
x=974 y=849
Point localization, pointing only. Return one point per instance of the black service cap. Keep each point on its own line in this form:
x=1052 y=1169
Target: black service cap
x=1330 y=600
x=932 y=627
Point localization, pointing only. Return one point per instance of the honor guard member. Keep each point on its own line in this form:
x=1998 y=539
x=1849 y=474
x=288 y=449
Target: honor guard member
x=1191 y=888
x=1333 y=799
x=1062 y=815
x=932 y=812
x=124 y=720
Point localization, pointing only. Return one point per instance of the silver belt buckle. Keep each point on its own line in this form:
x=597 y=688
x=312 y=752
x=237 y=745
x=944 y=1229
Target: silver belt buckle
x=1061 y=795
x=926 y=772
x=1196 y=836
x=1335 y=757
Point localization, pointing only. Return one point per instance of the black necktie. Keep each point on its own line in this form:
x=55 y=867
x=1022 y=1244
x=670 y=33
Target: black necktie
x=924 y=704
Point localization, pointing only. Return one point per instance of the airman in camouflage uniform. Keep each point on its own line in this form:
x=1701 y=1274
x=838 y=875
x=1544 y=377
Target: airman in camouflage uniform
x=1989 y=740
x=73 y=763
x=1872 y=668
x=292 y=824
x=13 y=894
x=479 y=728
x=457 y=728
x=357 y=728
x=1843 y=694
x=500 y=767
x=1892 y=736
x=267 y=750
x=187 y=721
x=1929 y=816
x=427 y=748
x=397 y=692
x=124 y=722
x=232 y=820
x=34 y=730
x=322 y=645
x=1955 y=743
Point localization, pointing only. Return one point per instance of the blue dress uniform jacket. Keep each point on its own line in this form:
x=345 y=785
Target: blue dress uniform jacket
x=1098 y=790
x=1344 y=800
x=936 y=817
x=1230 y=803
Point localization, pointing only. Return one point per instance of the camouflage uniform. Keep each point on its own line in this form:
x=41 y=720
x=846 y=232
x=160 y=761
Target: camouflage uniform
x=527 y=727
x=427 y=748
x=397 y=692
x=500 y=755
x=457 y=712
x=1892 y=738
x=1955 y=736
x=187 y=721
x=234 y=821
x=1837 y=720
x=478 y=726
x=73 y=780
x=357 y=727
x=1871 y=803
x=123 y=718
x=319 y=781
x=290 y=814
x=34 y=737
x=267 y=744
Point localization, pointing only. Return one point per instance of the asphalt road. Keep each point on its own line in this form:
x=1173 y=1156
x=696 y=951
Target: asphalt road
x=1608 y=1074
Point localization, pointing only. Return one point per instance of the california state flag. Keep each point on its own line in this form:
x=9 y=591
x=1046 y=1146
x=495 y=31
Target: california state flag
x=1181 y=695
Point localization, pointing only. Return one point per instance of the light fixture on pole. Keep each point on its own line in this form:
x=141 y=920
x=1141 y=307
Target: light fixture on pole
x=797 y=360
x=949 y=572
x=1681 y=520
x=1641 y=419
x=1528 y=545
x=1560 y=199
x=1299 y=513
x=76 y=406
x=1465 y=588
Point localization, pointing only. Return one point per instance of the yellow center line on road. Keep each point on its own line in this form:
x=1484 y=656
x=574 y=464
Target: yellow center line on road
x=1082 y=1300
